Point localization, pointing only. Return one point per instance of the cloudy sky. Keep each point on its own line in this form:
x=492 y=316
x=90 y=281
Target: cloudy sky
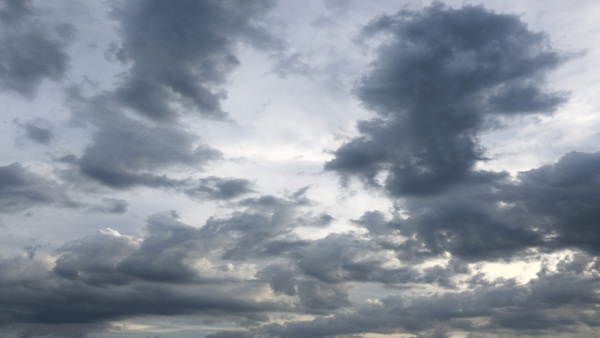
x=291 y=169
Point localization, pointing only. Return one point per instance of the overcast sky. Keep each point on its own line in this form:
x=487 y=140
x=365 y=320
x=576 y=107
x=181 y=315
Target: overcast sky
x=292 y=169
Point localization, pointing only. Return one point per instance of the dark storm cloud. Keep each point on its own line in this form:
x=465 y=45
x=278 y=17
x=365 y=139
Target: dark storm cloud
x=550 y=304
x=547 y=210
x=442 y=78
x=562 y=200
x=550 y=208
x=109 y=276
x=129 y=154
x=262 y=230
x=64 y=330
x=21 y=189
x=180 y=55
x=126 y=153
x=108 y=258
x=170 y=250
x=53 y=299
x=315 y=296
x=30 y=50
x=318 y=274
x=181 y=52
x=339 y=259
x=319 y=221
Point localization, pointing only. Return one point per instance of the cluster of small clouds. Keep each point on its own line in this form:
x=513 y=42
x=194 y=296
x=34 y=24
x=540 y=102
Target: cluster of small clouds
x=441 y=77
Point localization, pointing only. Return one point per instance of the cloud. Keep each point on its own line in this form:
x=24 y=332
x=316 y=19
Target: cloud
x=284 y=265
x=562 y=197
x=37 y=131
x=181 y=53
x=172 y=252
x=347 y=258
x=438 y=81
x=64 y=330
x=550 y=208
x=264 y=229
x=544 y=306
x=180 y=57
x=127 y=152
x=30 y=50
x=110 y=206
x=53 y=299
x=21 y=190
x=95 y=275
x=174 y=258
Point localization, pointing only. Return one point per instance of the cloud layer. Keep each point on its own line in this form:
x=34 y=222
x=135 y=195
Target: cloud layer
x=439 y=83
x=94 y=249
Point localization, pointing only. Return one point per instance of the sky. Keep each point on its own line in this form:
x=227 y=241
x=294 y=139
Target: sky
x=291 y=169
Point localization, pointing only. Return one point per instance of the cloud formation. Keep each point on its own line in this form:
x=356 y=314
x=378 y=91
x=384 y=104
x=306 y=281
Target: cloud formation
x=30 y=50
x=442 y=78
x=21 y=190
x=181 y=53
x=179 y=56
x=154 y=209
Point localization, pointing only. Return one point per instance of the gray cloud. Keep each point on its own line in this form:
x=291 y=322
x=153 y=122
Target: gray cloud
x=182 y=52
x=95 y=275
x=127 y=152
x=444 y=75
x=262 y=230
x=30 y=50
x=218 y=188
x=166 y=255
x=318 y=274
x=64 y=330
x=110 y=206
x=21 y=190
x=562 y=198
x=550 y=208
x=550 y=304
x=180 y=56
x=168 y=252
x=339 y=259
x=44 y=299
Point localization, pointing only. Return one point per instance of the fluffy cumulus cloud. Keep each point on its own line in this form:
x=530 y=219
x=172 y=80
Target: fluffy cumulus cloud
x=156 y=192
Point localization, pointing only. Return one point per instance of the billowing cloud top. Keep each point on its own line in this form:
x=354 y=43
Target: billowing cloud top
x=189 y=168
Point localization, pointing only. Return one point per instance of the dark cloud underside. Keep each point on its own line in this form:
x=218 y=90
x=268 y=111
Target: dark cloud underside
x=21 y=190
x=443 y=75
x=180 y=55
